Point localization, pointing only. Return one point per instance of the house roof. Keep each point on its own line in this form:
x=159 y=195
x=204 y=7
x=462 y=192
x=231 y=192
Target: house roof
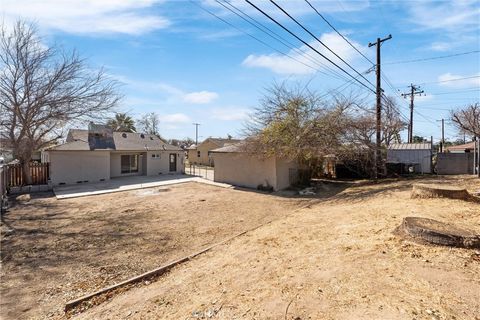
x=231 y=148
x=221 y=142
x=410 y=146
x=82 y=140
x=462 y=147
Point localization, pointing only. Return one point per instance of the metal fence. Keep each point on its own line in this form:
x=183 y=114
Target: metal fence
x=205 y=172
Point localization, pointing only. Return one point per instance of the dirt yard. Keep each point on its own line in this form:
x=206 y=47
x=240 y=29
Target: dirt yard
x=62 y=249
x=334 y=259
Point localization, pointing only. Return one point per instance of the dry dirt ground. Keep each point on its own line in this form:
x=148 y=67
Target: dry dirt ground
x=337 y=258
x=62 y=249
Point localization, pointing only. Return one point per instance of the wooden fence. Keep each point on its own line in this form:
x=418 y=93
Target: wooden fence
x=39 y=172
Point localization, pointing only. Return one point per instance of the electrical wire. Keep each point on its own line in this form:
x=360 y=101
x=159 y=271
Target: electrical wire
x=338 y=32
x=432 y=58
x=321 y=42
x=307 y=44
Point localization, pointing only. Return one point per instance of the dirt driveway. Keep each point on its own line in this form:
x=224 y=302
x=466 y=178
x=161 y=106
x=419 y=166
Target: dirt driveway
x=63 y=249
x=335 y=259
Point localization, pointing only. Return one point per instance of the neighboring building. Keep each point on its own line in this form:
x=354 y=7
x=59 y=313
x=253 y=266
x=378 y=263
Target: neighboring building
x=201 y=154
x=6 y=151
x=191 y=152
x=462 y=148
x=416 y=157
x=98 y=154
x=235 y=166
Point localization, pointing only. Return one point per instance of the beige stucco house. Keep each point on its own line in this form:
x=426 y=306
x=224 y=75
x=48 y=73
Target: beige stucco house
x=98 y=155
x=201 y=154
x=236 y=166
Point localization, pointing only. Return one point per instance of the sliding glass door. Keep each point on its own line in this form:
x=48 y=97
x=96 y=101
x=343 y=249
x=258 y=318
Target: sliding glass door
x=129 y=163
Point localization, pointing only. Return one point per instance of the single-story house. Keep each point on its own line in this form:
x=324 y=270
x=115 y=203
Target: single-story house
x=462 y=148
x=236 y=166
x=417 y=157
x=98 y=154
x=201 y=154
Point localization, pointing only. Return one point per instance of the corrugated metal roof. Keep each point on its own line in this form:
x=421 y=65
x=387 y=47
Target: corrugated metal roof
x=410 y=146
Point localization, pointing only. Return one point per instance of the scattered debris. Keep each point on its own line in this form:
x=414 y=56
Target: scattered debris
x=310 y=191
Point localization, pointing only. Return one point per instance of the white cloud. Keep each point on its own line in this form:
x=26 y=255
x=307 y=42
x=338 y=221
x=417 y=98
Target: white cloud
x=450 y=16
x=175 y=95
x=230 y=114
x=87 y=16
x=284 y=65
x=175 y=118
x=445 y=80
x=200 y=97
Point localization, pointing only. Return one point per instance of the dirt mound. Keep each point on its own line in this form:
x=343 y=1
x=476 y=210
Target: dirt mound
x=436 y=232
x=423 y=191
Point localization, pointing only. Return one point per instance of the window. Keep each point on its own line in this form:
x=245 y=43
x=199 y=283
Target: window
x=129 y=163
x=198 y=154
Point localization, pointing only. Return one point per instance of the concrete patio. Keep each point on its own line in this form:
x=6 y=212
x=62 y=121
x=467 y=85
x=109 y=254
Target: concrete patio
x=127 y=183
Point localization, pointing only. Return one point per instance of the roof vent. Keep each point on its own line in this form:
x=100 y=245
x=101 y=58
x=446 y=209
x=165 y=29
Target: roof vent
x=142 y=136
x=151 y=138
x=124 y=135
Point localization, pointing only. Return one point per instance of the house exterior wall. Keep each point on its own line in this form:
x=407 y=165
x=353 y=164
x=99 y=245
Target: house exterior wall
x=204 y=158
x=283 y=168
x=192 y=155
x=421 y=157
x=115 y=164
x=70 y=167
x=161 y=165
x=244 y=170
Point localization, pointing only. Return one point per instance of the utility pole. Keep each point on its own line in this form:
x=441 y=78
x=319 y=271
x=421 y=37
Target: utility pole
x=196 y=132
x=413 y=91
x=378 y=152
x=442 y=144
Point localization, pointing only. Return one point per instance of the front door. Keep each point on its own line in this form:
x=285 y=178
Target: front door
x=173 y=162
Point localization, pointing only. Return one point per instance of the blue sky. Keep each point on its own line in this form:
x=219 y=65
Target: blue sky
x=177 y=60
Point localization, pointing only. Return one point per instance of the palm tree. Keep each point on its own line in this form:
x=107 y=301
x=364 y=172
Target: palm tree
x=122 y=123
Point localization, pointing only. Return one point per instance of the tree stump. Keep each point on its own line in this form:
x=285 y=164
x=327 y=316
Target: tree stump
x=436 y=232
x=423 y=191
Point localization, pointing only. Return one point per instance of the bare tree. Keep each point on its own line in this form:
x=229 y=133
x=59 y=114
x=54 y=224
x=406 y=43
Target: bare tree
x=149 y=123
x=42 y=89
x=467 y=120
x=392 y=123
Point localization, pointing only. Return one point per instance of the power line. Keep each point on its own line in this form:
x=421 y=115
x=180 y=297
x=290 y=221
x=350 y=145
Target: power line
x=432 y=58
x=338 y=32
x=449 y=80
x=305 y=43
x=258 y=25
x=457 y=92
x=253 y=37
x=316 y=38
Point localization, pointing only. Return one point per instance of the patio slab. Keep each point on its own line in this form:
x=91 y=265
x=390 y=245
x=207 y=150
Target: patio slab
x=125 y=184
